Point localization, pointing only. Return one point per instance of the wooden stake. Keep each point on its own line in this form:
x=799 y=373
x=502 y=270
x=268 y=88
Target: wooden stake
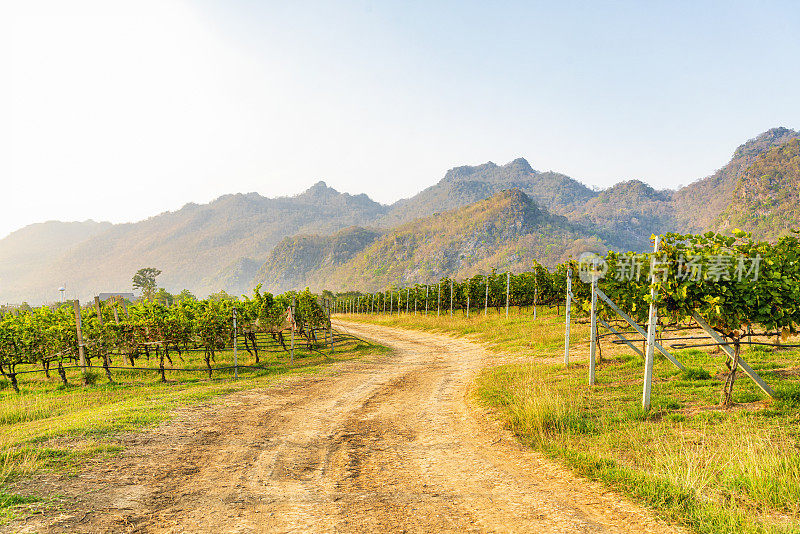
x=486 y=300
x=98 y=310
x=508 y=290
x=451 y=298
x=76 y=304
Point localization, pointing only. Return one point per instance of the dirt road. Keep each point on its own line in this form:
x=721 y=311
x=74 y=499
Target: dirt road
x=388 y=444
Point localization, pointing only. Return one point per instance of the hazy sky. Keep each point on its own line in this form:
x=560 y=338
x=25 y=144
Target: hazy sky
x=121 y=110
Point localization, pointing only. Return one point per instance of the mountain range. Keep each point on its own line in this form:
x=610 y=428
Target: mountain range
x=474 y=219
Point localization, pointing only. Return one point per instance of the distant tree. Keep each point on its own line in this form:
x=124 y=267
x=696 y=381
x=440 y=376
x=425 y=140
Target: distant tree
x=162 y=296
x=221 y=296
x=145 y=279
x=185 y=295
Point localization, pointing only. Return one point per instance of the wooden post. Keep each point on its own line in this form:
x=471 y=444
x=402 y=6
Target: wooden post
x=98 y=309
x=451 y=297
x=486 y=300
x=330 y=328
x=468 y=284
x=116 y=310
x=235 y=351
x=651 y=333
x=593 y=330
x=76 y=304
x=566 y=320
x=508 y=290
x=294 y=303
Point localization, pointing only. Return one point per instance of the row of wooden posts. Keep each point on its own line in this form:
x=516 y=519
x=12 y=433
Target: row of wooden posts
x=353 y=304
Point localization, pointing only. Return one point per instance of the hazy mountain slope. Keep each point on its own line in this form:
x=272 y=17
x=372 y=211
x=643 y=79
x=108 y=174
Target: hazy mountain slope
x=508 y=230
x=200 y=247
x=225 y=244
x=294 y=259
x=464 y=185
x=767 y=196
x=698 y=205
x=31 y=252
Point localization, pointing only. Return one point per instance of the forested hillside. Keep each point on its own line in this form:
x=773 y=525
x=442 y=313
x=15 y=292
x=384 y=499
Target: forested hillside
x=767 y=197
x=507 y=231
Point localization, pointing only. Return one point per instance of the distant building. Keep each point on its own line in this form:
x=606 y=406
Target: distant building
x=127 y=296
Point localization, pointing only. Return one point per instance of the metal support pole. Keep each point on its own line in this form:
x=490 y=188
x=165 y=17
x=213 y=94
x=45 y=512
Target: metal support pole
x=639 y=329
x=427 y=289
x=439 y=300
x=566 y=320
x=468 y=300
x=593 y=329
x=651 y=332
x=729 y=351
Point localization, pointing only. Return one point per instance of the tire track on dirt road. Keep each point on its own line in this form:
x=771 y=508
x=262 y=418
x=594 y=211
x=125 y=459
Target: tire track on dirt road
x=381 y=444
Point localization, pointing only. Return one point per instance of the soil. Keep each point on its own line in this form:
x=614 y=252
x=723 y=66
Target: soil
x=383 y=444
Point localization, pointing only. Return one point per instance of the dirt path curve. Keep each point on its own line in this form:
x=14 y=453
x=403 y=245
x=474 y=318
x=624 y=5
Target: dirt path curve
x=382 y=445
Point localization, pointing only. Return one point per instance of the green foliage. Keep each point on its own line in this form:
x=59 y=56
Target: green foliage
x=145 y=279
x=767 y=196
x=46 y=336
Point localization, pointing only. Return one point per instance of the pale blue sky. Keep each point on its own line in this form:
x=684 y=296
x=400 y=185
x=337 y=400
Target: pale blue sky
x=197 y=99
